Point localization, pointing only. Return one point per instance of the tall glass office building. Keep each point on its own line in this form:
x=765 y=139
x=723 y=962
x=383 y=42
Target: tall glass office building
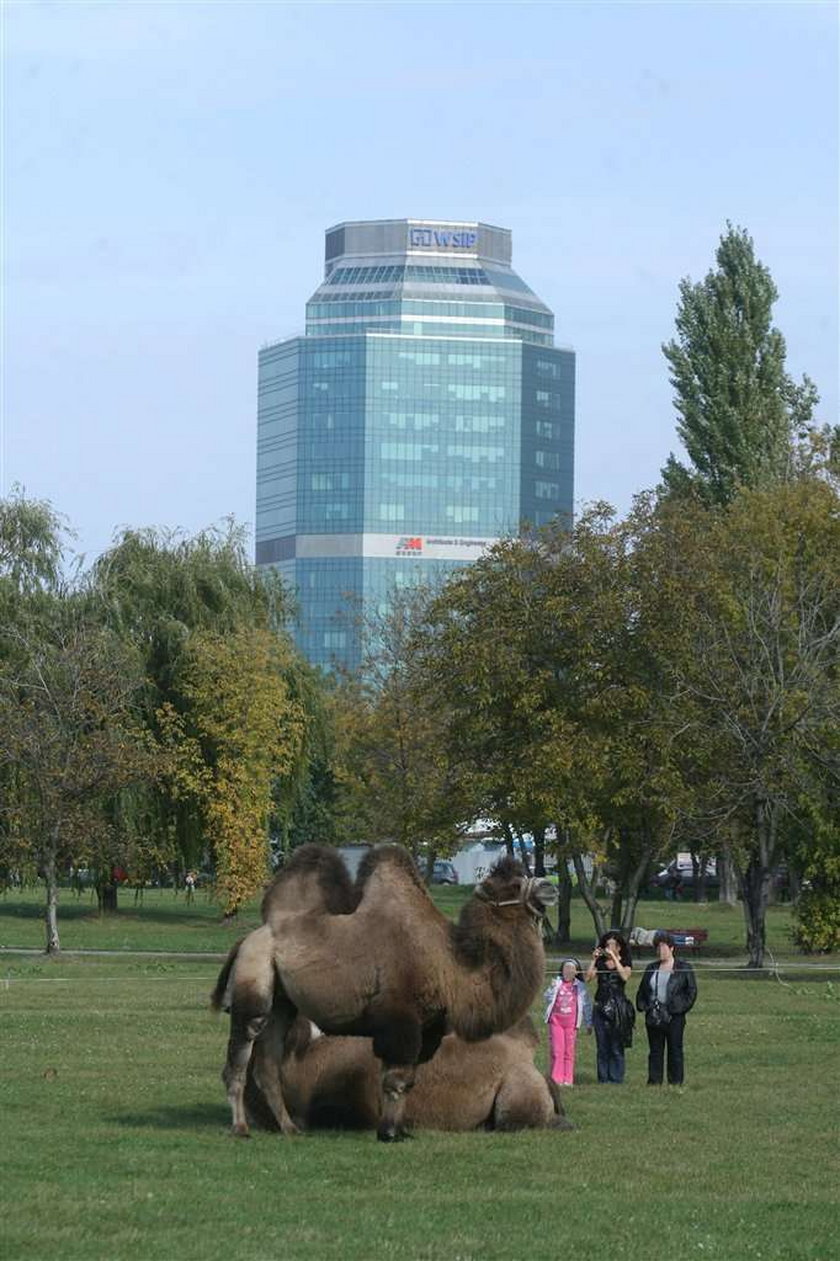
x=425 y=413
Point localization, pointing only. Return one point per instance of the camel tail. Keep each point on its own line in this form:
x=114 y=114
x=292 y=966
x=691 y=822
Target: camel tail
x=560 y=1120
x=217 y=998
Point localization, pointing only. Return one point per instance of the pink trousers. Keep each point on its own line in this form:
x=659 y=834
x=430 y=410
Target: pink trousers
x=562 y=1038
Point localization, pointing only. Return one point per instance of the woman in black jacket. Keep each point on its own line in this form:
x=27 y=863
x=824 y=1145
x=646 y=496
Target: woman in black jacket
x=666 y=992
x=612 y=1014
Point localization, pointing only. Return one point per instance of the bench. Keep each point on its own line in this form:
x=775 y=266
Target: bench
x=685 y=938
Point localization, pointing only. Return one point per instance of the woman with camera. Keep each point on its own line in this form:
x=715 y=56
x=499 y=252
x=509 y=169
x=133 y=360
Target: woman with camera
x=666 y=992
x=612 y=1016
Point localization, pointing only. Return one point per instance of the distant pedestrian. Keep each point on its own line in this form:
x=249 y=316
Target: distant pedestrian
x=568 y=1008
x=189 y=883
x=667 y=991
x=673 y=885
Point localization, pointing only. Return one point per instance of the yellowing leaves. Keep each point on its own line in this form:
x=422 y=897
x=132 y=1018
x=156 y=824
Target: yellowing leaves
x=239 y=728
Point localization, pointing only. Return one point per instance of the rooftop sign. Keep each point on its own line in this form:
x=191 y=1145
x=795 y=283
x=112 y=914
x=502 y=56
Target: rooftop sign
x=442 y=238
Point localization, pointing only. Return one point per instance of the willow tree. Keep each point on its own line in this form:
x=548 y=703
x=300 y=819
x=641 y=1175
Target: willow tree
x=162 y=592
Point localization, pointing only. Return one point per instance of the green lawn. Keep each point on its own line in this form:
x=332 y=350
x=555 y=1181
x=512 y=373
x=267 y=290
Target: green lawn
x=165 y=922
x=115 y=1142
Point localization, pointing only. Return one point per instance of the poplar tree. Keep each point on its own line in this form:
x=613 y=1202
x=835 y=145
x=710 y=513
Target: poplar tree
x=740 y=413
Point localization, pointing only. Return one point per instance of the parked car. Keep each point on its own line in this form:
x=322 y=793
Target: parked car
x=444 y=872
x=680 y=873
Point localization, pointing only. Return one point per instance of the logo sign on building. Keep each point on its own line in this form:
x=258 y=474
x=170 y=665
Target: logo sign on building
x=424 y=547
x=442 y=238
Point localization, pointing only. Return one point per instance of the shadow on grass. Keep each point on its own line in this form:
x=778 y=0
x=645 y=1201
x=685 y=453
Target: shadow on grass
x=76 y=911
x=190 y=1117
x=214 y=1116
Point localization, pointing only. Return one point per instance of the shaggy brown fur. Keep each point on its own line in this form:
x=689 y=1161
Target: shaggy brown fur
x=392 y=969
x=334 y=1083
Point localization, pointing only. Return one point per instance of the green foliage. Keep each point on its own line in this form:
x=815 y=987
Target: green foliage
x=399 y=784
x=238 y=729
x=209 y=628
x=817 y=924
x=69 y=739
x=31 y=548
x=739 y=410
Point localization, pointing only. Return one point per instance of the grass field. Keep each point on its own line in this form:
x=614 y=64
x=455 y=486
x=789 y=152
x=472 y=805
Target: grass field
x=166 y=922
x=115 y=1144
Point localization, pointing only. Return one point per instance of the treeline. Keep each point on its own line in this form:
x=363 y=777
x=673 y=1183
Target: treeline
x=628 y=688
x=154 y=714
x=665 y=681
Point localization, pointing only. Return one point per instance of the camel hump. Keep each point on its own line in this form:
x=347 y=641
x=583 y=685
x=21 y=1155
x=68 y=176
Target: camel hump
x=396 y=858
x=314 y=878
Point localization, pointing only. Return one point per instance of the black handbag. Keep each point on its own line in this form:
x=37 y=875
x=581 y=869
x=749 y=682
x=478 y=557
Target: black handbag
x=657 y=1015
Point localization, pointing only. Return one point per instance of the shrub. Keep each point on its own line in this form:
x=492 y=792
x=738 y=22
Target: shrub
x=816 y=926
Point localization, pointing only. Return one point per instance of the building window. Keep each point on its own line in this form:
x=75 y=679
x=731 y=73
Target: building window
x=546 y=490
x=547 y=459
x=460 y=515
x=392 y=512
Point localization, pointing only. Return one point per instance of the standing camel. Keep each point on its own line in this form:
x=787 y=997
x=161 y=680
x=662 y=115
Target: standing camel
x=379 y=961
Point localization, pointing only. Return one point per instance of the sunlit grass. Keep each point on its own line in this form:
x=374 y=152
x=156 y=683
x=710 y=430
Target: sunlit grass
x=115 y=1141
x=164 y=921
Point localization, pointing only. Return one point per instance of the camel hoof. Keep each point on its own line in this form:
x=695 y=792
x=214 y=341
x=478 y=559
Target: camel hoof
x=393 y=1135
x=240 y=1131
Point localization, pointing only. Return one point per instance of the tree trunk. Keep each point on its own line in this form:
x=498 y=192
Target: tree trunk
x=756 y=880
x=727 y=876
x=633 y=889
x=755 y=886
x=539 y=851
x=508 y=831
x=564 y=903
x=51 y=911
x=588 y=896
x=106 y=896
x=523 y=854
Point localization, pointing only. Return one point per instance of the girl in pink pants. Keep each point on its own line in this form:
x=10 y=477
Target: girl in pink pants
x=568 y=1006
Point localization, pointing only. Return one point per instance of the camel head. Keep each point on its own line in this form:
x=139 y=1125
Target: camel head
x=508 y=885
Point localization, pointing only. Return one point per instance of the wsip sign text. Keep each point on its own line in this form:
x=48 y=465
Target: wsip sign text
x=443 y=238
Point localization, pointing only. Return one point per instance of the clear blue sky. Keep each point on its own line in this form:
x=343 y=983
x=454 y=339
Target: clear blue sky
x=170 y=170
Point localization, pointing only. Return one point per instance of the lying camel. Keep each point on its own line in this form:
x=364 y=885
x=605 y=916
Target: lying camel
x=333 y=1083
x=378 y=960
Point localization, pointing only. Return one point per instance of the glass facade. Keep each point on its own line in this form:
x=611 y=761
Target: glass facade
x=425 y=413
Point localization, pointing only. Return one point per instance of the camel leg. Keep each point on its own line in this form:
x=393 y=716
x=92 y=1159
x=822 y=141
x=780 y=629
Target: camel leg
x=251 y=987
x=398 y=1045
x=243 y=1034
x=268 y=1054
x=396 y=1083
